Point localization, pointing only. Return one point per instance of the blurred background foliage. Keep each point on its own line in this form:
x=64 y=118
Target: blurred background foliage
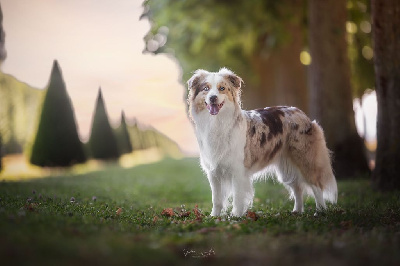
x=241 y=34
x=19 y=109
x=269 y=44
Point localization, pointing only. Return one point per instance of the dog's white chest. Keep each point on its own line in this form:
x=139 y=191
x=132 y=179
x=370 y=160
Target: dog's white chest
x=220 y=141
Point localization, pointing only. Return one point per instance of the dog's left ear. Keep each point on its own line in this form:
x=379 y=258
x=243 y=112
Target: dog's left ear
x=234 y=79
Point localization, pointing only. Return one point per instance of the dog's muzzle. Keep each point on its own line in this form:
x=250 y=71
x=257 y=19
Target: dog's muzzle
x=214 y=107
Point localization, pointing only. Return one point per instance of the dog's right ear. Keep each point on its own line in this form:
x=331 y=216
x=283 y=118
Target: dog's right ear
x=195 y=80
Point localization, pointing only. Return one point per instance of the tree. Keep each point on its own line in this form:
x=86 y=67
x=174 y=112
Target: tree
x=359 y=40
x=1 y=154
x=247 y=36
x=386 y=38
x=2 y=57
x=123 y=138
x=103 y=144
x=330 y=88
x=57 y=142
x=3 y=53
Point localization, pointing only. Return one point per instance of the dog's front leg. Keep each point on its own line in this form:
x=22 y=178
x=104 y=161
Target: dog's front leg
x=243 y=193
x=217 y=195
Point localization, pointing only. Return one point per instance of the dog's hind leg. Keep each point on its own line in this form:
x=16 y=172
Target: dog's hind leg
x=319 y=199
x=291 y=177
x=297 y=192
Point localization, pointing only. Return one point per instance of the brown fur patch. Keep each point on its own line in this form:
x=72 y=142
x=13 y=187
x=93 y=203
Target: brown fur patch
x=271 y=117
x=199 y=88
x=235 y=80
x=230 y=94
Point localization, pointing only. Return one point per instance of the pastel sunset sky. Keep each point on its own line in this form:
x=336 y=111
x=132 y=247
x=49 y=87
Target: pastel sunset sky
x=98 y=43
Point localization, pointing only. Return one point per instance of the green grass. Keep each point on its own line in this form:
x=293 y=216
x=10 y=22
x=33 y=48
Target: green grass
x=115 y=217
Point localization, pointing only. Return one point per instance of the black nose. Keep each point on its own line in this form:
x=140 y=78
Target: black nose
x=213 y=99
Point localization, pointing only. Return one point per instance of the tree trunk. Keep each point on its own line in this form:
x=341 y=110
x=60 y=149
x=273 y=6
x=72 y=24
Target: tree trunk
x=3 y=53
x=386 y=38
x=283 y=79
x=330 y=89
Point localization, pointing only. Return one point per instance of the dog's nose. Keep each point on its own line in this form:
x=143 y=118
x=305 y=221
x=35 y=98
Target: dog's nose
x=213 y=99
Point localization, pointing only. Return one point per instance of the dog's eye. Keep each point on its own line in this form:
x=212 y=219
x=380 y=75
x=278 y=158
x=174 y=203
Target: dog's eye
x=221 y=88
x=206 y=88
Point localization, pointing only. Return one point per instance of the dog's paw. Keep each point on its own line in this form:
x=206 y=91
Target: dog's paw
x=237 y=213
x=215 y=213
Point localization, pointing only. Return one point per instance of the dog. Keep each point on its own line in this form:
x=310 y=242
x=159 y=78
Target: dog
x=239 y=146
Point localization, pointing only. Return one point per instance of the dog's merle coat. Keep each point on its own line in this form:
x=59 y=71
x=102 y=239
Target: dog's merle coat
x=237 y=146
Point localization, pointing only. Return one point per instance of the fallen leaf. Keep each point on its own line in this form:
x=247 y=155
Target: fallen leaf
x=168 y=212
x=197 y=213
x=184 y=214
x=118 y=212
x=155 y=219
x=252 y=215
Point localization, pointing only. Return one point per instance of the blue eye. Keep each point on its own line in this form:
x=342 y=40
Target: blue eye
x=221 y=88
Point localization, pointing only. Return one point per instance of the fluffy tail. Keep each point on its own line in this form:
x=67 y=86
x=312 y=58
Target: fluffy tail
x=330 y=190
x=328 y=180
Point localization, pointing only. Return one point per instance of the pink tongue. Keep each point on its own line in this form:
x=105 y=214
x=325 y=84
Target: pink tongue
x=213 y=109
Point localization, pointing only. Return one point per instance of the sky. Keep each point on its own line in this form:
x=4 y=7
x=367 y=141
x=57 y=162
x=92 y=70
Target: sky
x=98 y=43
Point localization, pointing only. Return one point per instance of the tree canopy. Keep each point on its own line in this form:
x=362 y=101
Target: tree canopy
x=206 y=33
x=210 y=34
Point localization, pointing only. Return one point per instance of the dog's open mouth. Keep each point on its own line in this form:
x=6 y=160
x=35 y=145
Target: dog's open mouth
x=214 y=108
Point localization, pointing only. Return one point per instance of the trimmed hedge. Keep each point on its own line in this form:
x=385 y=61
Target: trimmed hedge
x=123 y=138
x=102 y=143
x=57 y=142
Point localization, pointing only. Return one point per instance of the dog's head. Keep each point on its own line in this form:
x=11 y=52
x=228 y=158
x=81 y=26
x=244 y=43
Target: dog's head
x=214 y=91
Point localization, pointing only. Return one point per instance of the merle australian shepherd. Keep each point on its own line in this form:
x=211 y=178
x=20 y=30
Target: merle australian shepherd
x=239 y=146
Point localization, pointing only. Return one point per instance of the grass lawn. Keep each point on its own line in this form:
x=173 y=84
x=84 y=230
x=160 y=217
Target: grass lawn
x=158 y=214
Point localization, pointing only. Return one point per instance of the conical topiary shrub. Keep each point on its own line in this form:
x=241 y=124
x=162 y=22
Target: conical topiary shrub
x=57 y=142
x=123 y=138
x=102 y=143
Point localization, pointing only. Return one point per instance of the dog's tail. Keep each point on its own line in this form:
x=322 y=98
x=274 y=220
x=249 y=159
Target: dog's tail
x=328 y=180
x=330 y=191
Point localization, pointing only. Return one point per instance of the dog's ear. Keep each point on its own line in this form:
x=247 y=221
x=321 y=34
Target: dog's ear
x=195 y=80
x=234 y=79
